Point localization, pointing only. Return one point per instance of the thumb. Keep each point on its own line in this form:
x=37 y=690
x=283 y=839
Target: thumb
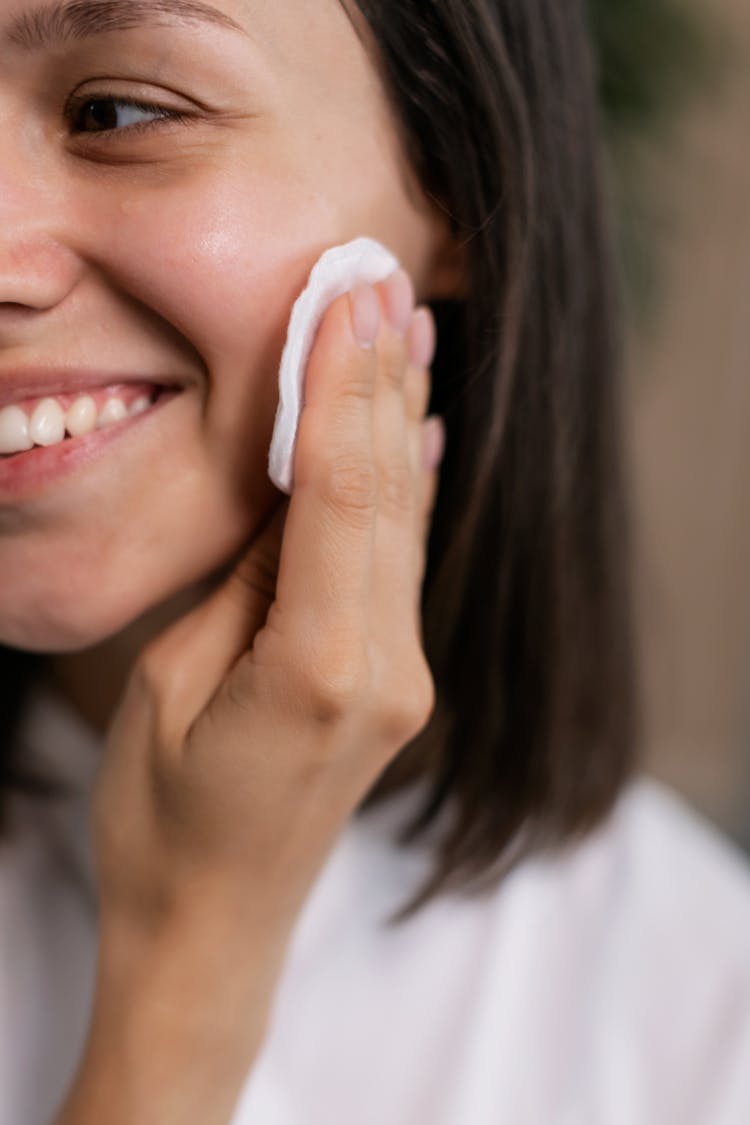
x=251 y=585
x=238 y=609
x=193 y=656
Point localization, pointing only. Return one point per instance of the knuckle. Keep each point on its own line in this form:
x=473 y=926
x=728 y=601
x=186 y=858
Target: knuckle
x=397 y=486
x=425 y=697
x=407 y=713
x=352 y=486
x=327 y=708
x=359 y=382
x=336 y=683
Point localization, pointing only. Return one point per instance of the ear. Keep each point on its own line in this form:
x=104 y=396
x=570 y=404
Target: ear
x=447 y=274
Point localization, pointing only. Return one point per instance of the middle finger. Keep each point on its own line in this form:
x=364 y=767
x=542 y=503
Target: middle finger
x=394 y=560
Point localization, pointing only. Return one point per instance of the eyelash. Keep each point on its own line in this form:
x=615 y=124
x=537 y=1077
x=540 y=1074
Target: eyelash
x=172 y=115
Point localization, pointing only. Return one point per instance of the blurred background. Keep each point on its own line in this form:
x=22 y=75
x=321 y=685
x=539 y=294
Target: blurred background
x=675 y=84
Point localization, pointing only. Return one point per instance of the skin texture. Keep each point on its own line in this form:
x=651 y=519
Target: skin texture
x=181 y=249
x=254 y=720
x=239 y=768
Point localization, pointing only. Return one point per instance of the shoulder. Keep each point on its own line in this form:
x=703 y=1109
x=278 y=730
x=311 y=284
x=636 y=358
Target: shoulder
x=679 y=871
x=668 y=895
x=619 y=964
x=628 y=954
x=668 y=977
x=654 y=859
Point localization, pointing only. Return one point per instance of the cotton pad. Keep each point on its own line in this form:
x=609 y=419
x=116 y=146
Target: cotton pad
x=335 y=272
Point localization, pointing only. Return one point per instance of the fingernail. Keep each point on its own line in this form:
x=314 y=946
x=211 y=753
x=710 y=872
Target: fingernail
x=422 y=337
x=365 y=313
x=434 y=444
x=399 y=297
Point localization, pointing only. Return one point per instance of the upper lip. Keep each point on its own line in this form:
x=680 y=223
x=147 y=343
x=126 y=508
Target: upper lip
x=20 y=384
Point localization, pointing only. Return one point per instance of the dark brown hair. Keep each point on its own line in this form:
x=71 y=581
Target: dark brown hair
x=526 y=600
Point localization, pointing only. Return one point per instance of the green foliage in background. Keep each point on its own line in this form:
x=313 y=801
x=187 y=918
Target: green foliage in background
x=650 y=54
x=653 y=58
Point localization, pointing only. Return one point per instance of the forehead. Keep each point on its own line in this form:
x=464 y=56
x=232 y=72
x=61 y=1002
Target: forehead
x=35 y=24
x=43 y=23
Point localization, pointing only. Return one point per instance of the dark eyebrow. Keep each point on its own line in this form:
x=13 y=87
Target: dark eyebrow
x=78 y=19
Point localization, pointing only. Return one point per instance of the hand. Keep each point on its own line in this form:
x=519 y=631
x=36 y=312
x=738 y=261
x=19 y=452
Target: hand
x=250 y=730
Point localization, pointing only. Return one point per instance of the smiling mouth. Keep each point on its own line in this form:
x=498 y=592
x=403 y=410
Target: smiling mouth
x=69 y=419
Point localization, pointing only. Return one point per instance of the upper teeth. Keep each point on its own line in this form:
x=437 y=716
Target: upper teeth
x=49 y=422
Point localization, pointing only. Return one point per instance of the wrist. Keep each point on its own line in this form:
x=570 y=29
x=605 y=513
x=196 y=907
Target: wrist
x=176 y=1026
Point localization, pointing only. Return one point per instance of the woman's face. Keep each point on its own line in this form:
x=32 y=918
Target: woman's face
x=175 y=251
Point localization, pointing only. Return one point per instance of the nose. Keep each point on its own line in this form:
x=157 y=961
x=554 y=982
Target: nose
x=36 y=273
x=37 y=267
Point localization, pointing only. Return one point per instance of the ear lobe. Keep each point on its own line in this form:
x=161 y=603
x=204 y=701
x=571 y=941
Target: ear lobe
x=448 y=276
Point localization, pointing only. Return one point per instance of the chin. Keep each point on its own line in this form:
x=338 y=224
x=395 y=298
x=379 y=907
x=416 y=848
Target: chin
x=53 y=618
x=53 y=625
x=56 y=632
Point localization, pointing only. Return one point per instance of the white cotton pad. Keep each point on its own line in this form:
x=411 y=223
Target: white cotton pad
x=333 y=274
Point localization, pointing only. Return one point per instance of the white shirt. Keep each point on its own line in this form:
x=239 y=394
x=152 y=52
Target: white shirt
x=605 y=985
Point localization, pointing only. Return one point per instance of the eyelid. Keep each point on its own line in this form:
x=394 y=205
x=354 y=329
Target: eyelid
x=166 y=115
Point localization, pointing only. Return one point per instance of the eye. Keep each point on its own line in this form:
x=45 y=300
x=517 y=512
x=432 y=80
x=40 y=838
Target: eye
x=104 y=114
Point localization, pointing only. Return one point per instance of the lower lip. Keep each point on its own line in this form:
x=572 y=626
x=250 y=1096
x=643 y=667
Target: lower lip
x=30 y=472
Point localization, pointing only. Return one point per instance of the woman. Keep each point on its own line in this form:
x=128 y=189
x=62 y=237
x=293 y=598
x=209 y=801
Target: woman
x=264 y=691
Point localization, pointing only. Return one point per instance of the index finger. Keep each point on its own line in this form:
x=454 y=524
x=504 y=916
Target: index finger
x=325 y=569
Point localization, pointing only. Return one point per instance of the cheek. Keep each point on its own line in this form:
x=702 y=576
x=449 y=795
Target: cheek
x=222 y=260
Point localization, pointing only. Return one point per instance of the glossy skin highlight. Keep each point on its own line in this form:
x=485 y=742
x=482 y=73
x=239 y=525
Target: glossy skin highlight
x=180 y=249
